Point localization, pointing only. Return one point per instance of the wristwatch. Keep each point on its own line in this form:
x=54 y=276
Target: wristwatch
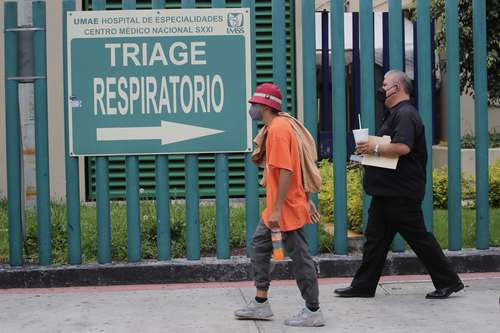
x=375 y=151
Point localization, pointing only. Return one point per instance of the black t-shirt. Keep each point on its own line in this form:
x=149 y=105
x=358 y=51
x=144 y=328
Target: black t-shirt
x=404 y=125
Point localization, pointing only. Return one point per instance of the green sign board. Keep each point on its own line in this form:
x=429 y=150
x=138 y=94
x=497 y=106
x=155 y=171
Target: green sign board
x=159 y=81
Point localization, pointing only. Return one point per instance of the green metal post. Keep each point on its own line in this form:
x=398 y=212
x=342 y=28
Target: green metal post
x=102 y=192
x=162 y=192
x=367 y=59
x=129 y=4
x=396 y=59
x=279 y=48
x=192 y=192
x=163 y=208
x=218 y=3
x=158 y=4
x=103 y=210
x=425 y=98
x=481 y=123
x=192 y=208
x=13 y=137
x=453 y=111
x=339 y=128
x=222 y=192
x=41 y=136
x=310 y=106
x=251 y=171
x=222 y=209
x=396 y=56
x=188 y=3
x=71 y=163
x=133 y=199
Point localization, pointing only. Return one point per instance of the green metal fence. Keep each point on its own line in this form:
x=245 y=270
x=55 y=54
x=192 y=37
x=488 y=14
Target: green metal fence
x=281 y=74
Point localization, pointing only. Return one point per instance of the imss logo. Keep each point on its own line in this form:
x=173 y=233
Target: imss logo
x=235 y=23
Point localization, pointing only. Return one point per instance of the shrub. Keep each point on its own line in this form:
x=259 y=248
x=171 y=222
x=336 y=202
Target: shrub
x=354 y=195
x=440 y=188
x=469 y=140
x=494 y=190
x=118 y=225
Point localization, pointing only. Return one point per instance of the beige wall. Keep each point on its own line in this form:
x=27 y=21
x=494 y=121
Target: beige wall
x=55 y=104
x=467 y=107
x=466 y=115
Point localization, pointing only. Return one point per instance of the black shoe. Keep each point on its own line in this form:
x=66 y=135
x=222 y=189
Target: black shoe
x=352 y=292
x=445 y=292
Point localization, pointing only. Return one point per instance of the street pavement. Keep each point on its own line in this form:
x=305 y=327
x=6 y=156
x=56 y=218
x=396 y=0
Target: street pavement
x=399 y=306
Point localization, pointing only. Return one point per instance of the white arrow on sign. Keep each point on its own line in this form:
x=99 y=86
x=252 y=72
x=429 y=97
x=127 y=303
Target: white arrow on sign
x=168 y=132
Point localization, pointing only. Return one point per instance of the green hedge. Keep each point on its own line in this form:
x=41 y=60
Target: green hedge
x=469 y=140
x=207 y=220
x=354 y=195
x=440 y=187
x=119 y=232
x=440 y=192
x=494 y=190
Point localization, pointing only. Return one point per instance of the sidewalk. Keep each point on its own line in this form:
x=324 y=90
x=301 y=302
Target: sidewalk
x=400 y=306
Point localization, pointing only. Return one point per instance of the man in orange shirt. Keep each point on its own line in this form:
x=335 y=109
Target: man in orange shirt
x=288 y=208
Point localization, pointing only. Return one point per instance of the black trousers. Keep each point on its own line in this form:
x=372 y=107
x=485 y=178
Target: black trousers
x=386 y=217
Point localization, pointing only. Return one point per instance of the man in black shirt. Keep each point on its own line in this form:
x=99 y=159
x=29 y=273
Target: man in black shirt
x=397 y=196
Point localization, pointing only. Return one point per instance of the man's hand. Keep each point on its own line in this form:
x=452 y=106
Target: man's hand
x=274 y=219
x=386 y=149
x=313 y=212
x=366 y=147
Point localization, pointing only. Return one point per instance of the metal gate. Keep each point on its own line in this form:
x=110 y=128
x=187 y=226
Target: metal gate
x=280 y=76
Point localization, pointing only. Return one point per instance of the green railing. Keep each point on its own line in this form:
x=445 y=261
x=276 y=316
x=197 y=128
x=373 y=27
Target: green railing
x=280 y=76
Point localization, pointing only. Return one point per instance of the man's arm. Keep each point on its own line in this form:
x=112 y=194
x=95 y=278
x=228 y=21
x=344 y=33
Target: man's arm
x=384 y=149
x=283 y=187
x=311 y=207
x=403 y=138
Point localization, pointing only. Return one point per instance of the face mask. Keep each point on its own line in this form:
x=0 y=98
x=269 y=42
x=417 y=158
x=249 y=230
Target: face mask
x=255 y=112
x=381 y=94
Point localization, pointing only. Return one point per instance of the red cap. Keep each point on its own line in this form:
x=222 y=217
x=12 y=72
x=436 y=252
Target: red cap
x=267 y=94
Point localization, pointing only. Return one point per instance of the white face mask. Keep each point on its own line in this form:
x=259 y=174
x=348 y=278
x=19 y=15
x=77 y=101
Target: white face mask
x=255 y=112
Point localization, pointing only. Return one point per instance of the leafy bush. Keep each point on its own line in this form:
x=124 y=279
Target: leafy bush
x=494 y=190
x=118 y=227
x=469 y=140
x=354 y=195
x=440 y=188
x=207 y=220
x=119 y=232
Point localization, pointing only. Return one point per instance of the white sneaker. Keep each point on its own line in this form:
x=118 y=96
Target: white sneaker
x=255 y=310
x=306 y=318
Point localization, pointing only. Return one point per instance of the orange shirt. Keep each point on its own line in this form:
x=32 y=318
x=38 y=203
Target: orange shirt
x=282 y=152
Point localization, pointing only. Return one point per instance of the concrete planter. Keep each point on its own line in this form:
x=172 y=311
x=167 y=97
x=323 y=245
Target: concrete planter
x=440 y=158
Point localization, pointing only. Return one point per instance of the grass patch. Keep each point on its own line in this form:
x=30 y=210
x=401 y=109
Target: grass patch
x=178 y=231
x=468 y=227
x=118 y=221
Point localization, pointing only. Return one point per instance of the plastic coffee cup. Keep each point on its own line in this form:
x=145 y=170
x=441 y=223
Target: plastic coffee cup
x=360 y=135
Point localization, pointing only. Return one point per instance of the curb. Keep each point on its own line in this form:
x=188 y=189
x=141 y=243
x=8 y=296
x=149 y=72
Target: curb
x=214 y=270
